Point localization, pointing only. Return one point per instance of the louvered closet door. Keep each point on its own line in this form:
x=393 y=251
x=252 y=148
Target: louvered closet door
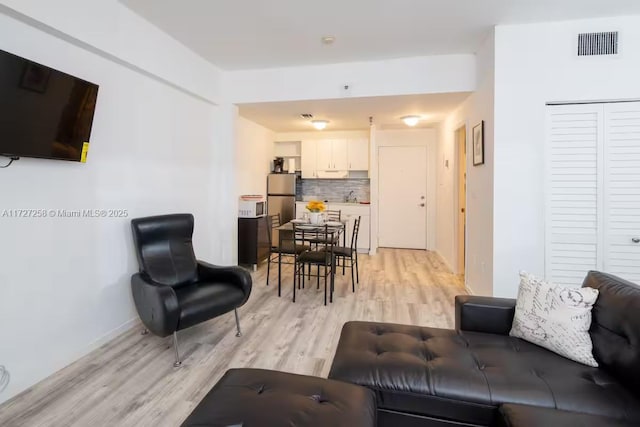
x=573 y=210
x=622 y=190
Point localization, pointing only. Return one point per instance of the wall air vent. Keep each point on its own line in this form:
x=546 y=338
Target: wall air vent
x=592 y=44
x=306 y=116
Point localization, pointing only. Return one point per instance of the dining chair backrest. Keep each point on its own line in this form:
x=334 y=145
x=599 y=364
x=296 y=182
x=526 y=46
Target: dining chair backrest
x=354 y=235
x=273 y=221
x=324 y=237
x=333 y=215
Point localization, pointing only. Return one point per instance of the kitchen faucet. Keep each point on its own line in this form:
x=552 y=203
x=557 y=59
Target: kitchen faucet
x=350 y=198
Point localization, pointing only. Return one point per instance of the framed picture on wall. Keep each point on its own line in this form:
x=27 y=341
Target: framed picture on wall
x=478 y=144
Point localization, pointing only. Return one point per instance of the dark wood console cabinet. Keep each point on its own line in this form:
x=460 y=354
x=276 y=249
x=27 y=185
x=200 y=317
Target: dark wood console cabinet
x=253 y=240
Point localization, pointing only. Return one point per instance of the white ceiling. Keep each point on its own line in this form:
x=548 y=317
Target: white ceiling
x=353 y=113
x=242 y=34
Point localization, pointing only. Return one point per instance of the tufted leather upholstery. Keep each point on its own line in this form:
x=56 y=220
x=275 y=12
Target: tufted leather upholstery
x=173 y=290
x=256 y=397
x=531 y=416
x=464 y=376
x=615 y=326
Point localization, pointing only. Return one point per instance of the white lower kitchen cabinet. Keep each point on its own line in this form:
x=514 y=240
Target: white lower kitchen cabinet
x=349 y=211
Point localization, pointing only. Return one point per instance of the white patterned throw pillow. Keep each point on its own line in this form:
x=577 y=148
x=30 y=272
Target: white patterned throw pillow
x=555 y=317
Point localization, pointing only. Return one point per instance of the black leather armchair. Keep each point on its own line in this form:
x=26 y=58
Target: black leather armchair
x=174 y=290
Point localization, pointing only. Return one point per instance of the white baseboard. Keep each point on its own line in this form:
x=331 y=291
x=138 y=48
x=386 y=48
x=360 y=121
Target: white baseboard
x=443 y=259
x=76 y=355
x=129 y=324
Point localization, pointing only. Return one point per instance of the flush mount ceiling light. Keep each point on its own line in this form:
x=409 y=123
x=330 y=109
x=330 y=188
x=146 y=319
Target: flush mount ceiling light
x=328 y=40
x=411 y=120
x=319 y=124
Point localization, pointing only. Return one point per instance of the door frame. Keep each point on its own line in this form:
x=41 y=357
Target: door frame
x=381 y=138
x=456 y=200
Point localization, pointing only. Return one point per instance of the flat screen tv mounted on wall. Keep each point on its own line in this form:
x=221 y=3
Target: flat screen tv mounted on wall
x=44 y=113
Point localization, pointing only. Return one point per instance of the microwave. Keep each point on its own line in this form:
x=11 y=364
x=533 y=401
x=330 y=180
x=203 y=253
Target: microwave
x=252 y=208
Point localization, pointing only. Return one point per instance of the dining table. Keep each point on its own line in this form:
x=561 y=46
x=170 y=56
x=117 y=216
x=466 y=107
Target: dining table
x=286 y=231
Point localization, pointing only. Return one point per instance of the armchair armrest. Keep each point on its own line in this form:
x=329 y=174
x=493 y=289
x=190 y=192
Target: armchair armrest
x=484 y=314
x=157 y=305
x=237 y=276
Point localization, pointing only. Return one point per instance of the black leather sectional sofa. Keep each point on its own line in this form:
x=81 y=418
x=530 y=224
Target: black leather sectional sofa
x=475 y=375
x=478 y=375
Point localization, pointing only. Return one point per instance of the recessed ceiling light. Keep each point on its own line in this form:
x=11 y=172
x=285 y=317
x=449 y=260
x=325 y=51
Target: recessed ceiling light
x=319 y=124
x=411 y=120
x=328 y=40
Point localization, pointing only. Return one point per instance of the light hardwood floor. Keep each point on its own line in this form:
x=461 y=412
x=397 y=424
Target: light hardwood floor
x=130 y=381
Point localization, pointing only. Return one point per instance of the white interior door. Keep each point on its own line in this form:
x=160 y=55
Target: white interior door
x=622 y=190
x=573 y=230
x=402 y=197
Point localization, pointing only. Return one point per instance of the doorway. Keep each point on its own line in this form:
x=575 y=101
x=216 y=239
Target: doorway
x=461 y=212
x=402 y=197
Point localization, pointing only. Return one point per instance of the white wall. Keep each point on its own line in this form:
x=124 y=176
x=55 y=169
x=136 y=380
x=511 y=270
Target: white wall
x=111 y=29
x=477 y=107
x=430 y=74
x=325 y=134
x=536 y=64
x=65 y=281
x=254 y=152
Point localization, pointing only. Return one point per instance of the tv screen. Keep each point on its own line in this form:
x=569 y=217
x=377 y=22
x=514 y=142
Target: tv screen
x=43 y=112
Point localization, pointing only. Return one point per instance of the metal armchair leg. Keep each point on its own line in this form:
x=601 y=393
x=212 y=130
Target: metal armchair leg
x=239 y=334
x=178 y=362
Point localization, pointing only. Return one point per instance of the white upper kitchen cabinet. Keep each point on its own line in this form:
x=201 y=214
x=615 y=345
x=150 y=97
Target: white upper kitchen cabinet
x=325 y=154
x=309 y=159
x=332 y=154
x=339 y=152
x=358 y=154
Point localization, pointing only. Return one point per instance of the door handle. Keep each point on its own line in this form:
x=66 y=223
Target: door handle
x=636 y=240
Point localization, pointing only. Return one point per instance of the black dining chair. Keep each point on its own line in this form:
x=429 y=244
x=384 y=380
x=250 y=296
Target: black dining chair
x=344 y=254
x=333 y=215
x=322 y=257
x=330 y=215
x=284 y=248
x=173 y=290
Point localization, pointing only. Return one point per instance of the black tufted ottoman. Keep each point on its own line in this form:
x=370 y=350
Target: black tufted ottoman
x=460 y=376
x=257 y=397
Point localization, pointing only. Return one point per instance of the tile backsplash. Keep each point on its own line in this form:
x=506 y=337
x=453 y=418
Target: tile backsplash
x=333 y=190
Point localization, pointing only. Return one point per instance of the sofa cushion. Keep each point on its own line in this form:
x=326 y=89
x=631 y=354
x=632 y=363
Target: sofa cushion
x=258 y=397
x=464 y=376
x=615 y=326
x=532 y=416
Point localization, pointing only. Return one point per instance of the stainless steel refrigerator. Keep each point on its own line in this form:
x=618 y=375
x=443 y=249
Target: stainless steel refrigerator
x=281 y=198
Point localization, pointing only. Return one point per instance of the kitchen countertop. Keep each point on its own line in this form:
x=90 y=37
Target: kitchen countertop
x=341 y=203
